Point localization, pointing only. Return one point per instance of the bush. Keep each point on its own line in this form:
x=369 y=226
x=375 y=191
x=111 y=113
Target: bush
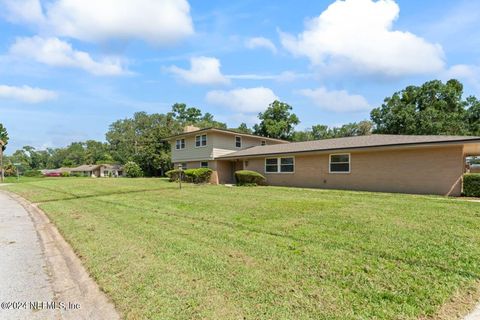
x=76 y=174
x=247 y=177
x=173 y=175
x=32 y=173
x=200 y=175
x=65 y=174
x=132 y=170
x=471 y=185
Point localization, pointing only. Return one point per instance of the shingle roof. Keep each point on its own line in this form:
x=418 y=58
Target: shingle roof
x=224 y=131
x=86 y=167
x=374 y=140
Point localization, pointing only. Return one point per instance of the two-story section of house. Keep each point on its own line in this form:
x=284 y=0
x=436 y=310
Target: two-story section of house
x=197 y=148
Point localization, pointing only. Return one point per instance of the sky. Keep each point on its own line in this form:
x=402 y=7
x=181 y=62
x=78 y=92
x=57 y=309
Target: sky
x=69 y=68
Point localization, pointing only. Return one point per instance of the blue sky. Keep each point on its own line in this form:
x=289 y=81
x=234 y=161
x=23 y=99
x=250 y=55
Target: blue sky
x=69 y=68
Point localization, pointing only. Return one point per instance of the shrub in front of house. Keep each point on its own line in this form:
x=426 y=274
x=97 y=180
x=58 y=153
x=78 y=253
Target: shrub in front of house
x=32 y=173
x=65 y=174
x=132 y=170
x=199 y=175
x=471 y=185
x=173 y=175
x=249 y=178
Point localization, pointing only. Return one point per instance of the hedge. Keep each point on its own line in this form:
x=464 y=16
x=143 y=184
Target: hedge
x=32 y=173
x=132 y=170
x=247 y=177
x=471 y=185
x=200 y=175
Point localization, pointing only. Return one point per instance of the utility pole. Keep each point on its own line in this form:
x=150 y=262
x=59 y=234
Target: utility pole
x=180 y=175
x=2 y=177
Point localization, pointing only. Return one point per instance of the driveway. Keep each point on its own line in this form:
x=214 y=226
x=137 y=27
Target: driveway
x=40 y=276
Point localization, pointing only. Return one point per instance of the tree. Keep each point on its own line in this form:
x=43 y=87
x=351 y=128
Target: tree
x=277 y=121
x=433 y=108
x=3 y=146
x=243 y=128
x=319 y=131
x=132 y=170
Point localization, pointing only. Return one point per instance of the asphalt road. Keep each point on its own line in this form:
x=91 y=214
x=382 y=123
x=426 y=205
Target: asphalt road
x=24 y=277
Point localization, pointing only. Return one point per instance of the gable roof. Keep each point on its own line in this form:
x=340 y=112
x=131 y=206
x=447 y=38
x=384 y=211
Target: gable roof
x=358 y=142
x=86 y=167
x=228 y=131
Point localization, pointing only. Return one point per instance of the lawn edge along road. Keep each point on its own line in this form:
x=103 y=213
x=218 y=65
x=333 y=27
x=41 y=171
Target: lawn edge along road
x=70 y=280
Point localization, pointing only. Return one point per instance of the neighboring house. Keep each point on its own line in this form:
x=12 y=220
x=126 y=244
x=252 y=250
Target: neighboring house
x=475 y=168
x=99 y=170
x=385 y=163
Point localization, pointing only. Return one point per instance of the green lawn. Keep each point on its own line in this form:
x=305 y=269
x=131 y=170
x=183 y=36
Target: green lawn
x=221 y=252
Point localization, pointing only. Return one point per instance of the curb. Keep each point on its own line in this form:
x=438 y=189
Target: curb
x=70 y=280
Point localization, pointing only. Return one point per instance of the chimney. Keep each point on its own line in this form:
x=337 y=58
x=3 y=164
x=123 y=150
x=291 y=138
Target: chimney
x=190 y=129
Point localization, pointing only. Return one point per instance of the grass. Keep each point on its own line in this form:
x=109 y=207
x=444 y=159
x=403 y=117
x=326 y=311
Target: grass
x=264 y=252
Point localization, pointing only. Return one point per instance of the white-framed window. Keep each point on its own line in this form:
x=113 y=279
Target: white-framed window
x=184 y=165
x=339 y=163
x=280 y=165
x=263 y=143
x=201 y=140
x=204 y=164
x=238 y=142
x=180 y=144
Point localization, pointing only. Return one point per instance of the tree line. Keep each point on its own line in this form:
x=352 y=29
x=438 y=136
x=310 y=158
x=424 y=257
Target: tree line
x=434 y=108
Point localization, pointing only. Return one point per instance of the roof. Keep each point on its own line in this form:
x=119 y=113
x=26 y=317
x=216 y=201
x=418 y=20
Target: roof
x=91 y=167
x=358 y=142
x=86 y=167
x=210 y=129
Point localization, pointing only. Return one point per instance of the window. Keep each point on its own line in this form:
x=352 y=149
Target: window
x=238 y=142
x=201 y=141
x=180 y=144
x=280 y=165
x=204 y=164
x=340 y=163
x=263 y=143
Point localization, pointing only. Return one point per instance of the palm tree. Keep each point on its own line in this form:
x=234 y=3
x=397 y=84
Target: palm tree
x=3 y=146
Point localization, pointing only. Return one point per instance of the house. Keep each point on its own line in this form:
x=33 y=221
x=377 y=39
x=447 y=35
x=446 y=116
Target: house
x=197 y=148
x=99 y=170
x=385 y=163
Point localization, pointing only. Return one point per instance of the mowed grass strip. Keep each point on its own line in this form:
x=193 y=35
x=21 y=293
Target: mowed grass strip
x=266 y=252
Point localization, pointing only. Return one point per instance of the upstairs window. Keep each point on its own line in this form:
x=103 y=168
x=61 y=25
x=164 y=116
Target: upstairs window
x=180 y=144
x=238 y=142
x=201 y=140
x=280 y=165
x=340 y=163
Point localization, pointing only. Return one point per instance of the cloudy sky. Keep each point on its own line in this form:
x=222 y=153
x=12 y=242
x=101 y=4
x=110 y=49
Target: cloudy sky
x=69 y=68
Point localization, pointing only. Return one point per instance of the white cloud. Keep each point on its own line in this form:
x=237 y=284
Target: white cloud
x=260 y=42
x=21 y=11
x=358 y=34
x=336 y=100
x=26 y=94
x=155 y=21
x=468 y=73
x=58 y=53
x=243 y=99
x=203 y=70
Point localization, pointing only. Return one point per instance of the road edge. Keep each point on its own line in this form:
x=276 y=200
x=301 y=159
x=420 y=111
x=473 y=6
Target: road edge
x=70 y=280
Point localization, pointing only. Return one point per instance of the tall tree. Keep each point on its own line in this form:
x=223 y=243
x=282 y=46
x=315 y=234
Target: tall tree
x=243 y=128
x=277 y=121
x=432 y=108
x=3 y=146
x=319 y=131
